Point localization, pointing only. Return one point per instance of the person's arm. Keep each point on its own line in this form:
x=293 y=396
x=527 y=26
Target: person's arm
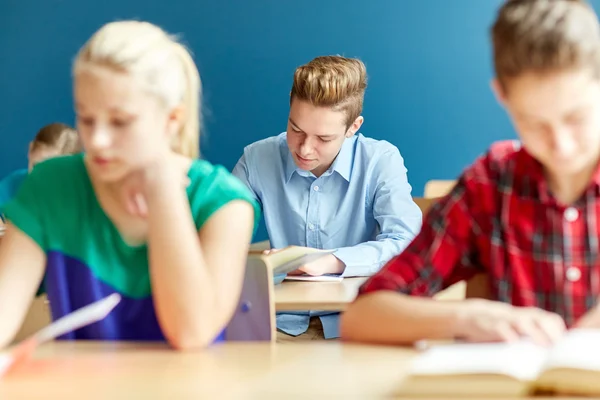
x=22 y=264
x=386 y=317
x=398 y=217
x=591 y=319
x=385 y=312
x=389 y=317
x=196 y=276
x=394 y=306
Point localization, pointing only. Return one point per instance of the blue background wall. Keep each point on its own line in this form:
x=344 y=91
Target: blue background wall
x=429 y=63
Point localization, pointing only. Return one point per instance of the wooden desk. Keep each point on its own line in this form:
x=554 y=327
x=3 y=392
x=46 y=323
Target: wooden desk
x=94 y=370
x=334 y=296
x=325 y=296
x=37 y=317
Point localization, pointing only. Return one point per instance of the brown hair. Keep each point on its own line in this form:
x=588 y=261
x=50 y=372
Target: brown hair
x=332 y=81
x=57 y=136
x=543 y=36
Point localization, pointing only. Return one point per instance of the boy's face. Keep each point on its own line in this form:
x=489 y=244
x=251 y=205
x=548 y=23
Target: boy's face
x=557 y=116
x=315 y=135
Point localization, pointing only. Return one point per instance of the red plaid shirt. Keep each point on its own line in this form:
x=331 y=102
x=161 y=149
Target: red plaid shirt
x=501 y=219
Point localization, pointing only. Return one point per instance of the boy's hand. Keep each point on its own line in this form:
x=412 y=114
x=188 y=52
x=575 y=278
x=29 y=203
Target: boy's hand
x=491 y=321
x=328 y=264
x=590 y=320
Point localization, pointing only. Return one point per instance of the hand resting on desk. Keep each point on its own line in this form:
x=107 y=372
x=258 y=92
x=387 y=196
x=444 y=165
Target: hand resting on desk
x=328 y=264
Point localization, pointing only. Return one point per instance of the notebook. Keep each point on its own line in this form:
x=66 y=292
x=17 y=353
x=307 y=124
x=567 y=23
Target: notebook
x=570 y=367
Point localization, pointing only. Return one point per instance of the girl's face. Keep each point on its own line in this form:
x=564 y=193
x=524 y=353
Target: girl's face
x=122 y=127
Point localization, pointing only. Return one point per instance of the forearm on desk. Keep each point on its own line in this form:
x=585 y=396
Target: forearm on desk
x=387 y=317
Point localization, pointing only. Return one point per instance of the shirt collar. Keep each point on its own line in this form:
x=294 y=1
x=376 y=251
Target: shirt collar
x=344 y=160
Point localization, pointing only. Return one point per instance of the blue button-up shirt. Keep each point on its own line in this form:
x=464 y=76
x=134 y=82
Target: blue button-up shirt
x=361 y=206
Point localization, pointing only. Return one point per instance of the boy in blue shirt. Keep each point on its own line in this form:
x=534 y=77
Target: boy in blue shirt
x=324 y=185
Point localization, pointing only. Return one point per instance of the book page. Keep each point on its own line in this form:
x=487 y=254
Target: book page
x=579 y=348
x=522 y=360
x=290 y=253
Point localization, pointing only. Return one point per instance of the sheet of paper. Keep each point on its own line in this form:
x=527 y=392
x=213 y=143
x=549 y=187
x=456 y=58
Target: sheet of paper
x=79 y=318
x=579 y=348
x=5 y=362
x=522 y=360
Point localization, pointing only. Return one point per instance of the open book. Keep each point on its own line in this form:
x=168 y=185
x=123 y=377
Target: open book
x=288 y=259
x=77 y=319
x=570 y=367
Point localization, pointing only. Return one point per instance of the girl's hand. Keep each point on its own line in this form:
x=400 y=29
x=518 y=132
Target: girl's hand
x=161 y=176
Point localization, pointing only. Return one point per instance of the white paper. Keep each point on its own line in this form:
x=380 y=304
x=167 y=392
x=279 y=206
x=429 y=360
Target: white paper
x=5 y=362
x=79 y=318
x=522 y=360
x=84 y=316
x=579 y=348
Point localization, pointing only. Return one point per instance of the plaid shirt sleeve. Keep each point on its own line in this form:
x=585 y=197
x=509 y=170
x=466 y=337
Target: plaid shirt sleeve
x=445 y=251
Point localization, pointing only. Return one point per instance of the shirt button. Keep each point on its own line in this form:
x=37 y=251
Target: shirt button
x=571 y=214
x=573 y=274
x=311 y=227
x=316 y=188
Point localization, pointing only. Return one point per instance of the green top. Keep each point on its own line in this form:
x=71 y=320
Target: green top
x=87 y=259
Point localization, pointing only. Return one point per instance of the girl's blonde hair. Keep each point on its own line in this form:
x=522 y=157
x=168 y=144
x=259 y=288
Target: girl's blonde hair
x=162 y=65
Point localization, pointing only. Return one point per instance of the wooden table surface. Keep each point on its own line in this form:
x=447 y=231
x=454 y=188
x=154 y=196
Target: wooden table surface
x=309 y=370
x=104 y=370
x=326 y=296
x=334 y=296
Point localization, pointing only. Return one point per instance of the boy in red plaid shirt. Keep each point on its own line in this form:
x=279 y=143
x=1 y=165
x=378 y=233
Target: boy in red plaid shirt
x=526 y=214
